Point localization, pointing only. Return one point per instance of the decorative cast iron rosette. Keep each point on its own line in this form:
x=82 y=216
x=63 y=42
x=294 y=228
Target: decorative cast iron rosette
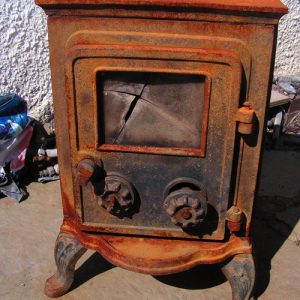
x=118 y=196
x=186 y=208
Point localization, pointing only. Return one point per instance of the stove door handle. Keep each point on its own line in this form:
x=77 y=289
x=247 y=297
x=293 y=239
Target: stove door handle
x=84 y=171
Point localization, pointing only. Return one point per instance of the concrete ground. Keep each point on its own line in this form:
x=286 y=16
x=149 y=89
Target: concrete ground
x=28 y=232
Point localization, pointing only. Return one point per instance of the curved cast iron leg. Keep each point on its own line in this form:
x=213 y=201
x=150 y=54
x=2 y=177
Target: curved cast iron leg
x=240 y=272
x=66 y=253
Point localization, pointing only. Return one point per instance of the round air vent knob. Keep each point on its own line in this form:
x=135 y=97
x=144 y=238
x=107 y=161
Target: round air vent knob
x=186 y=207
x=118 y=196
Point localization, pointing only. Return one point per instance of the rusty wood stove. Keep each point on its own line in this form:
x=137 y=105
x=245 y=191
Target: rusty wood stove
x=160 y=109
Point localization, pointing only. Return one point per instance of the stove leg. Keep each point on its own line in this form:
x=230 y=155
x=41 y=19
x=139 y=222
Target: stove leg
x=66 y=253
x=240 y=272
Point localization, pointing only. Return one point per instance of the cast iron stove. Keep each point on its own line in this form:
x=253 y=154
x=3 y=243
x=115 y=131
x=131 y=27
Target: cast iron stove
x=159 y=109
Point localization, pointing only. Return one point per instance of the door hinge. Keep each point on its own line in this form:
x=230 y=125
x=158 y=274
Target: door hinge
x=234 y=219
x=245 y=117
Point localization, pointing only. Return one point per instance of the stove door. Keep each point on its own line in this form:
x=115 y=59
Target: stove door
x=155 y=135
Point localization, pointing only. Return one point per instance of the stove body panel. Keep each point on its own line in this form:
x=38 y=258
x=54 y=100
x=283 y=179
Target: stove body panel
x=133 y=184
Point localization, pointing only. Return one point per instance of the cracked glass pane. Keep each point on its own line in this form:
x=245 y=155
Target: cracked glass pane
x=150 y=109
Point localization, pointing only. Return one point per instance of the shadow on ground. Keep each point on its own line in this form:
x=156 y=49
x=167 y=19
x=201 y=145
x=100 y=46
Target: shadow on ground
x=93 y=266
x=202 y=277
x=277 y=211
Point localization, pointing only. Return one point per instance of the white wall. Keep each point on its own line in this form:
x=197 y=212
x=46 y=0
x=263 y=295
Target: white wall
x=288 y=48
x=24 y=57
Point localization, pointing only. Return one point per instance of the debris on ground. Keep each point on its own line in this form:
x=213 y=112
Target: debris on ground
x=27 y=152
x=291 y=125
x=15 y=135
x=283 y=124
x=289 y=85
x=43 y=159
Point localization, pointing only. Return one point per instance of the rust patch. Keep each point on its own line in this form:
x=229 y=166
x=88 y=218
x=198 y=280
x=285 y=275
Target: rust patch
x=157 y=256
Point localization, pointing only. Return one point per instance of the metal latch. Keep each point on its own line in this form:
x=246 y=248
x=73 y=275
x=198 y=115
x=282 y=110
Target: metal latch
x=246 y=118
